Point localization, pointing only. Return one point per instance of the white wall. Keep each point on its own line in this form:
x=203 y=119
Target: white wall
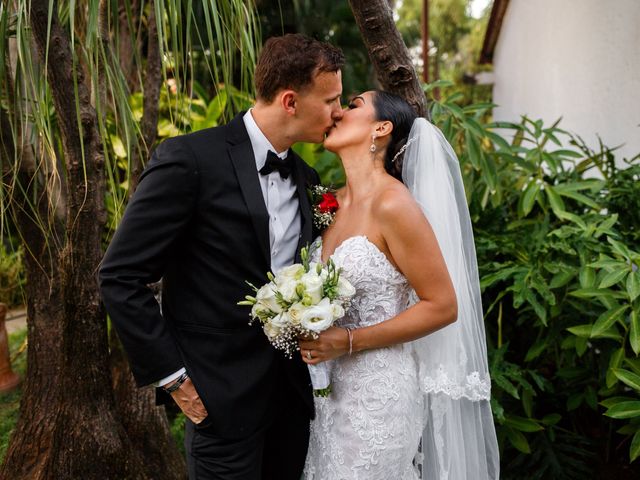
x=579 y=59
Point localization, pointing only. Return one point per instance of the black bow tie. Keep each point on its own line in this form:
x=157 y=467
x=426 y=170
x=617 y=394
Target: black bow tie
x=274 y=162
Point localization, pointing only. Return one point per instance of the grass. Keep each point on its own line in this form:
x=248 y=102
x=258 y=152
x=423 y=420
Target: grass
x=10 y=402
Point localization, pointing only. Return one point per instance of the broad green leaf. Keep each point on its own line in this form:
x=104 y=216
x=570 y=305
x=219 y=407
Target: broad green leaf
x=611 y=401
x=551 y=419
x=572 y=217
x=518 y=440
x=597 y=292
x=613 y=277
x=473 y=150
x=614 y=362
x=498 y=140
x=619 y=247
x=624 y=410
x=587 y=277
x=528 y=197
x=574 y=401
x=561 y=279
x=634 y=332
x=568 y=153
x=633 y=285
x=474 y=127
x=608 y=264
x=535 y=350
x=581 y=345
x=583 y=331
x=579 y=198
x=607 y=319
x=634 y=450
x=523 y=424
x=557 y=205
x=629 y=378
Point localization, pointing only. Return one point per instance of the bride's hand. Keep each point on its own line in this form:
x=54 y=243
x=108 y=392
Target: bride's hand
x=331 y=343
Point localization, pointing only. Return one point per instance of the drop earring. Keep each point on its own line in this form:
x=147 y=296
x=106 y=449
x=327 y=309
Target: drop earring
x=373 y=147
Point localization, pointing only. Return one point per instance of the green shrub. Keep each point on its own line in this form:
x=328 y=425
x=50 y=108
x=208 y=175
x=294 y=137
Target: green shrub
x=12 y=276
x=561 y=290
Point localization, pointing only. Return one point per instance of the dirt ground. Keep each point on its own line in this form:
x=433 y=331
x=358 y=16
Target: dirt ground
x=16 y=320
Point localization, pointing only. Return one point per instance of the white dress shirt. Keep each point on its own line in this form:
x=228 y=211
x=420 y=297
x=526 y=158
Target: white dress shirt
x=281 y=199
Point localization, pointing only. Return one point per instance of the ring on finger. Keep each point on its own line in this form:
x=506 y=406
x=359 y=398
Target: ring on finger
x=309 y=354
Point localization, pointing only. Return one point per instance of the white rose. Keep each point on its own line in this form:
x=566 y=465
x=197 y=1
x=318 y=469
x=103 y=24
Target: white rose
x=319 y=317
x=281 y=320
x=295 y=312
x=337 y=311
x=271 y=331
x=345 y=289
x=292 y=272
x=288 y=290
x=266 y=298
x=313 y=286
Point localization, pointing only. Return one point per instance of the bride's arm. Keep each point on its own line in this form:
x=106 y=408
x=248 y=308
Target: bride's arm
x=412 y=246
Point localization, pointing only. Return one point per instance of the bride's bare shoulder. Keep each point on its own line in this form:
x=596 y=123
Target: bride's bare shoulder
x=394 y=201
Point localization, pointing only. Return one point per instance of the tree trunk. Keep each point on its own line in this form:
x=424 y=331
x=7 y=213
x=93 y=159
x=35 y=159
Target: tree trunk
x=151 y=97
x=387 y=51
x=68 y=425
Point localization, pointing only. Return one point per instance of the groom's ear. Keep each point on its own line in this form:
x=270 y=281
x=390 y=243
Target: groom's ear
x=288 y=101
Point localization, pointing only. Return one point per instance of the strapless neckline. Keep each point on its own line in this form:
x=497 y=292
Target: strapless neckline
x=372 y=246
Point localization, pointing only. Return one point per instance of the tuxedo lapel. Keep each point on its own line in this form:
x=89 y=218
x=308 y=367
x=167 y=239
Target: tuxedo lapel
x=244 y=163
x=305 y=207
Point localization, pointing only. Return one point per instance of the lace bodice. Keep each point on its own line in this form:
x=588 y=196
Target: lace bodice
x=381 y=290
x=370 y=425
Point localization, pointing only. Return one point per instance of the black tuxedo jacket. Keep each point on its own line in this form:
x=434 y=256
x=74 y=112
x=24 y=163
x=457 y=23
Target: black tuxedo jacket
x=198 y=221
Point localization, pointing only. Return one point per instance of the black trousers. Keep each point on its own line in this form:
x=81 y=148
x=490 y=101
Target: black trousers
x=276 y=452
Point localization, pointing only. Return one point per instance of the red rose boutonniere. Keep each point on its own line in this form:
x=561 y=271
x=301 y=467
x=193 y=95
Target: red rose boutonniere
x=324 y=205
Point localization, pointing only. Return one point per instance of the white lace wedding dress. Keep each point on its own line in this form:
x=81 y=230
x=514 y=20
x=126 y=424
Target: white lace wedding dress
x=371 y=424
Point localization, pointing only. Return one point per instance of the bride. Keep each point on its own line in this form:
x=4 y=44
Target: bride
x=409 y=377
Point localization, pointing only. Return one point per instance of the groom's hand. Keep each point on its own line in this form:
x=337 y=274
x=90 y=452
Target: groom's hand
x=189 y=402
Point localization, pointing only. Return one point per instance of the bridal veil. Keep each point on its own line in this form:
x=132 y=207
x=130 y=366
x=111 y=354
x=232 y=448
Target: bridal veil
x=459 y=439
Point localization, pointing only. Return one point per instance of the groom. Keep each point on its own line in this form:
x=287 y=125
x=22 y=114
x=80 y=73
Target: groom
x=213 y=209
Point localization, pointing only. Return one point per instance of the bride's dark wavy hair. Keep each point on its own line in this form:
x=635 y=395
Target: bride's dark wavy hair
x=395 y=109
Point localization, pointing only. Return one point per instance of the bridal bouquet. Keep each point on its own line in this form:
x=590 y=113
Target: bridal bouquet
x=301 y=300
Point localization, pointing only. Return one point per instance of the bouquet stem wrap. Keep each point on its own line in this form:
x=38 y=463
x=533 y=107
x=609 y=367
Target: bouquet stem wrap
x=321 y=378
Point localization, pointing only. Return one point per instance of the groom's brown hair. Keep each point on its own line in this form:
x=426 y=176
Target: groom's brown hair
x=293 y=61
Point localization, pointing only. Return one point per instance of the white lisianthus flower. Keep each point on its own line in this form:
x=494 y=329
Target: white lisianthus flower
x=266 y=299
x=295 y=312
x=313 y=286
x=345 y=289
x=318 y=317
